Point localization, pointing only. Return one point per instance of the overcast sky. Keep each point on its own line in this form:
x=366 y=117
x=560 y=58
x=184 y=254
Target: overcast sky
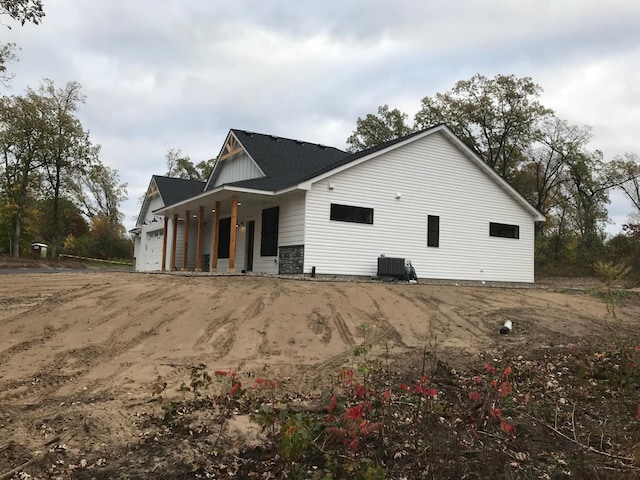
x=181 y=73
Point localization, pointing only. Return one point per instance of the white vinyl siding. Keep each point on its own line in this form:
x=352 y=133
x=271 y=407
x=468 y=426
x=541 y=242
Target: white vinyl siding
x=148 y=248
x=292 y=220
x=239 y=167
x=429 y=176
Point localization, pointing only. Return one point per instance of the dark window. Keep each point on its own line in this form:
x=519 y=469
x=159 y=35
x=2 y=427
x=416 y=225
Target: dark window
x=269 y=240
x=224 y=237
x=504 y=230
x=347 y=213
x=433 y=231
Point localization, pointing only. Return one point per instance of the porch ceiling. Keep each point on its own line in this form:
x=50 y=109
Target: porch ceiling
x=247 y=200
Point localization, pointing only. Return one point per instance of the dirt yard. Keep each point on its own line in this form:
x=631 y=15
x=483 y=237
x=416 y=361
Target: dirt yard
x=89 y=362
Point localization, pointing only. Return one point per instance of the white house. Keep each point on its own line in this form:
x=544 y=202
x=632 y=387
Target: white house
x=278 y=205
x=149 y=233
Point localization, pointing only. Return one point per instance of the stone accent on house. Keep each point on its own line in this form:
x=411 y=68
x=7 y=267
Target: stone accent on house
x=291 y=259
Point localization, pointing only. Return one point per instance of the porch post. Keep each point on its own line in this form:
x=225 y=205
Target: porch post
x=232 y=236
x=199 y=242
x=174 y=241
x=187 y=219
x=164 y=243
x=215 y=235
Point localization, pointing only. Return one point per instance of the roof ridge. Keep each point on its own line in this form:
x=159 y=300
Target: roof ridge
x=277 y=137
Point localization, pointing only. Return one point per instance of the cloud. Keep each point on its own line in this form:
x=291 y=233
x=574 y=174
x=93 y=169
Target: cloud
x=179 y=74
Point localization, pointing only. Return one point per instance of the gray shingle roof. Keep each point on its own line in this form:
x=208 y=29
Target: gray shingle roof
x=174 y=190
x=284 y=161
x=288 y=162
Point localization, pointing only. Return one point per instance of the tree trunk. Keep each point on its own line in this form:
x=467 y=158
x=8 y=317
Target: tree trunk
x=16 y=246
x=56 y=214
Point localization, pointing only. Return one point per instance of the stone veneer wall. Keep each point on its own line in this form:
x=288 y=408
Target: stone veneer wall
x=291 y=259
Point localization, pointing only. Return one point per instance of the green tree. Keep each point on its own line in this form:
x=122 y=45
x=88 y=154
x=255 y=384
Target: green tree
x=498 y=117
x=71 y=221
x=375 y=129
x=22 y=141
x=543 y=172
x=181 y=166
x=22 y=11
x=587 y=195
x=68 y=149
x=46 y=154
x=627 y=167
x=98 y=191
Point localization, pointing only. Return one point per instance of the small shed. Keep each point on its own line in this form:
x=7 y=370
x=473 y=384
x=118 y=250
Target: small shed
x=39 y=250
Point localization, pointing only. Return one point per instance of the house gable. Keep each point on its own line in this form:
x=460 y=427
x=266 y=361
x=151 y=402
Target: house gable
x=392 y=145
x=164 y=191
x=395 y=201
x=269 y=163
x=233 y=164
x=152 y=201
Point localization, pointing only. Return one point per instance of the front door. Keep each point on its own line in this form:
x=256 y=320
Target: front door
x=251 y=228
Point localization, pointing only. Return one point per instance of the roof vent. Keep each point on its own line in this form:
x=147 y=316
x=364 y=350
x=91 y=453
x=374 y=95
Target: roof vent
x=273 y=137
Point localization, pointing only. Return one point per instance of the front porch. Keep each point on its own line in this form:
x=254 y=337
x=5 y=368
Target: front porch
x=229 y=232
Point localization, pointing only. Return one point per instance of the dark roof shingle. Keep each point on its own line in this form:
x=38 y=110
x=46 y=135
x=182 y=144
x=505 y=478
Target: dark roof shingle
x=174 y=190
x=284 y=161
x=288 y=162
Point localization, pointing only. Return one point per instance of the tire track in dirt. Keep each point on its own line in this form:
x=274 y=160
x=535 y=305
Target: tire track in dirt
x=339 y=323
x=338 y=360
x=319 y=325
x=212 y=328
x=87 y=358
x=49 y=302
x=7 y=353
x=381 y=321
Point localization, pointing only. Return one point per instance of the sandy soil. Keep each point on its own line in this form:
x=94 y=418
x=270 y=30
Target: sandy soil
x=81 y=351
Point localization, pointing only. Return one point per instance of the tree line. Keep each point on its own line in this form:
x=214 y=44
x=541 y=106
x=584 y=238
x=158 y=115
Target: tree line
x=54 y=189
x=547 y=159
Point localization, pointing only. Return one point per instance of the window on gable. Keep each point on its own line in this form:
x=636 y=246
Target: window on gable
x=224 y=237
x=269 y=237
x=433 y=231
x=504 y=230
x=348 y=213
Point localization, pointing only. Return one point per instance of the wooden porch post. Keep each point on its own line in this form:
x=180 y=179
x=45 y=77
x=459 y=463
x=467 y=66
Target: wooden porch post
x=174 y=241
x=199 y=241
x=232 y=236
x=164 y=243
x=215 y=235
x=185 y=257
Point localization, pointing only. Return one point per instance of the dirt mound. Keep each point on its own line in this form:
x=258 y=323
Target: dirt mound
x=81 y=354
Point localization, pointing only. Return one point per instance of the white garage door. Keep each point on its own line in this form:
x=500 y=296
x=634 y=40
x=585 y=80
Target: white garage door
x=153 y=253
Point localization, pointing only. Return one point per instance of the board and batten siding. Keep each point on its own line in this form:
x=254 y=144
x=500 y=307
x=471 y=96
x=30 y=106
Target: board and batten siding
x=239 y=167
x=432 y=177
x=179 y=244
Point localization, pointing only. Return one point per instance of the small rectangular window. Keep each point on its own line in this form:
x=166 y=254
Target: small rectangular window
x=433 y=231
x=224 y=237
x=348 y=213
x=504 y=230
